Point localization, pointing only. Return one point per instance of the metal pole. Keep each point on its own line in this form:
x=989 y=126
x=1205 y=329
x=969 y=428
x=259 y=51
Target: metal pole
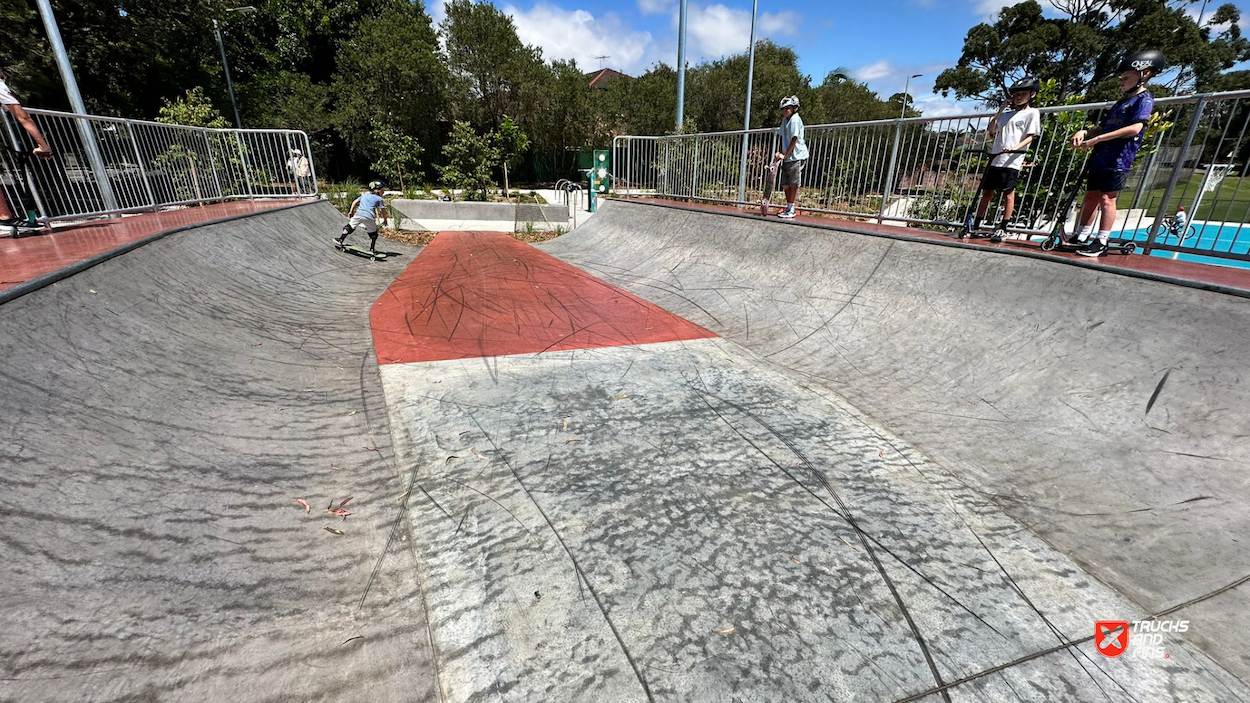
x=76 y=104
x=889 y=178
x=746 y=123
x=681 y=66
x=143 y=170
x=238 y=121
x=1176 y=176
x=906 y=84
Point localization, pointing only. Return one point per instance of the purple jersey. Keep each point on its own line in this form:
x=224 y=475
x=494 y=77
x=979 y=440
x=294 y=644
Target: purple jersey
x=1118 y=154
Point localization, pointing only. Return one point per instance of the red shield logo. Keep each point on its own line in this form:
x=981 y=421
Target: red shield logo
x=1111 y=637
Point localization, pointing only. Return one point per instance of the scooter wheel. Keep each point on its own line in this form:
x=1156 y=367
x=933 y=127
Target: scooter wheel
x=962 y=233
x=1128 y=248
x=1050 y=243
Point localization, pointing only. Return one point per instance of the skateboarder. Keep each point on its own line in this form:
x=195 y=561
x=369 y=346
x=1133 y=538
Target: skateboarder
x=1014 y=126
x=364 y=213
x=1115 y=143
x=8 y=101
x=793 y=154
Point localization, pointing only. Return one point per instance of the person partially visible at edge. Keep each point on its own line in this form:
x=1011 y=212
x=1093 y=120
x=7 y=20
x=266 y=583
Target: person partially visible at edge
x=1014 y=126
x=364 y=213
x=9 y=102
x=794 y=154
x=301 y=170
x=1115 y=143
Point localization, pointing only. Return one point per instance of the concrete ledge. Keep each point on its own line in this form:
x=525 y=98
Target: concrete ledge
x=421 y=210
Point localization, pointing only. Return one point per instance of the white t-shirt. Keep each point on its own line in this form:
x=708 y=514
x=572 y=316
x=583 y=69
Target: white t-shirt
x=1013 y=127
x=6 y=95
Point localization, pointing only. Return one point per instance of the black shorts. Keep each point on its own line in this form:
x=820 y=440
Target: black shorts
x=1000 y=178
x=1107 y=181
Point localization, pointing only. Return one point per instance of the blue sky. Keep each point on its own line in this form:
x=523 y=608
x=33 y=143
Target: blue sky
x=882 y=42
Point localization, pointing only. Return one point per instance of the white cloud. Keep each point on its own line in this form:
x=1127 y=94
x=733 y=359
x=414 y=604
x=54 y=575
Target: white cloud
x=781 y=23
x=578 y=35
x=937 y=106
x=873 y=71
x=988 y=9
x=716 y=30
x=654 y=7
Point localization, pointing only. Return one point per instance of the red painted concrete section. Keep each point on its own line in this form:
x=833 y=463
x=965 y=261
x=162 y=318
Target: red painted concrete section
x=476 y=294
x=30 y=257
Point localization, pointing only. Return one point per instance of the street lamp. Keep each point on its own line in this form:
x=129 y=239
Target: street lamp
x=246 y=9
x=906 y=85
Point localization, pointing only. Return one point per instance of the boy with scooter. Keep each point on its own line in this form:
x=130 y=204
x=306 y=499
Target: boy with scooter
x=1115 y=143
x=1013 y=127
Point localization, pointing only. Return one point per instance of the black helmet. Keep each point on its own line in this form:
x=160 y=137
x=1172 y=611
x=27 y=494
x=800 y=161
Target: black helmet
x=377 y=185
x=1141 y=60
x=1029 y=83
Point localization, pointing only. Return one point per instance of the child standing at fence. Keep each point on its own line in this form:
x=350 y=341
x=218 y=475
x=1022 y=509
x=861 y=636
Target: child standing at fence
x=364 y=213
x=793 y=155
x=1115 y=143
x=1013 y=130
x=10 y=104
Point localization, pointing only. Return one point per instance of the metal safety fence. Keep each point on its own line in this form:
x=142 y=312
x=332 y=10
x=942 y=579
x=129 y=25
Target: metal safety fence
x=104 y=165
x=924 y=172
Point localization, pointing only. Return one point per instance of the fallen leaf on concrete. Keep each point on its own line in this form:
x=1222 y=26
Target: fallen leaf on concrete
x=476 y=453
x=352 y=412
x=304 y=503
x=622 y=396
x=338 y=512
x=849 y=544
x=92 y=290
x=450 y=459
x=346 y=501
x=725 y=630
x=331 y=530
x=403 y=495
x=373 y=449
x=573 y=441
x=566 y=424
x=796 y=561
x=881 y=453
x=333 y=467
x=352 y=639
x=258 y=344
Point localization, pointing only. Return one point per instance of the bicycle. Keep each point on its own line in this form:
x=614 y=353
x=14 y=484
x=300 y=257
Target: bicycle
x=1173 y=229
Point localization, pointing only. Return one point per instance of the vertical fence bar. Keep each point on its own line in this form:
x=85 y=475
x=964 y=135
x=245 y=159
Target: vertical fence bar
x=1176 y=175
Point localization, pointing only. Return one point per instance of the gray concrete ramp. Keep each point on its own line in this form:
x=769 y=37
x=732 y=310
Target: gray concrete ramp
x=1110 y=415
x=160 y=415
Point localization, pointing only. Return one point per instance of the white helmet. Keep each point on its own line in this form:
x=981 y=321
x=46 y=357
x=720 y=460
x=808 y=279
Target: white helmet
x=792 y=101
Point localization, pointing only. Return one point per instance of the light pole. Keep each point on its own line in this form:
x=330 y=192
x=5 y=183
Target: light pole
x=85 y=132
x=681 y=65
x=746 y=123
x=906 y=85
x=238 y=121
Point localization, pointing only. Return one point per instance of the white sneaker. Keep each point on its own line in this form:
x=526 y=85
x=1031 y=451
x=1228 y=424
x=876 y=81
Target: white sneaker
x=788 y=213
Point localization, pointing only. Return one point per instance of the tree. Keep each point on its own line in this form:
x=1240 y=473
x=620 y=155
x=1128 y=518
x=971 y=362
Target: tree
x=390 y=73
x=1081 y=49
x=395 y=153
x=509 y=143
x=181 y=159
x=469 y=159
x=493 y=71
x=845 y=100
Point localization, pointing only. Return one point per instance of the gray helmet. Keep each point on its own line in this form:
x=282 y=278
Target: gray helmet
x=1151 y=59
x=792 y=101
x=1029 y=83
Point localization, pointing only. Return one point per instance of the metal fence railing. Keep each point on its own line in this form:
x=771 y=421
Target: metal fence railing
x=104 y=165
x=925 y=172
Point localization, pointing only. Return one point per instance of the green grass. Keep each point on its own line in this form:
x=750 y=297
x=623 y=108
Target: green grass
x=1229 y=203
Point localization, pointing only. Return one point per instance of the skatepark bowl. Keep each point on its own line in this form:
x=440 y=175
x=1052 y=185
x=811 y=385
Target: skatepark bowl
x=669 y=456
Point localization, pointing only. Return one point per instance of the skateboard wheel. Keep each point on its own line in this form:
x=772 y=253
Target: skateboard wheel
x=1128 y=248
x=1050 y=243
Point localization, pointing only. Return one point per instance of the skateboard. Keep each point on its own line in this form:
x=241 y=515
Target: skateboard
x=360 y=251
x=770 y=183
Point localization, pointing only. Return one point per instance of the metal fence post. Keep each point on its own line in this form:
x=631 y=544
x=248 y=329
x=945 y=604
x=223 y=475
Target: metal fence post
x=247 y=173
x=888 y=187
x=694 y=171
x=1175 y=177
x=664 y=180
x=143 y=170
x=212 y=164
x=312 y=166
